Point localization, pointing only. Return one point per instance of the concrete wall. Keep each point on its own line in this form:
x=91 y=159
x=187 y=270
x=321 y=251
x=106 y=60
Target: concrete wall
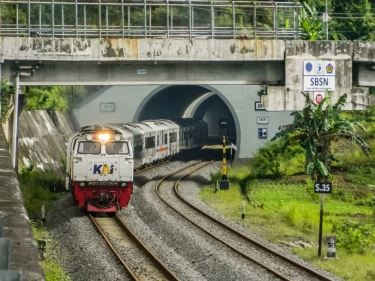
x=240 y=99
x=40 y=143
x=289 y=97
x=123 y=49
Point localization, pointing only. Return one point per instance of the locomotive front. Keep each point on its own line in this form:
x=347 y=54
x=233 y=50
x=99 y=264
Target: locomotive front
x=100 y=169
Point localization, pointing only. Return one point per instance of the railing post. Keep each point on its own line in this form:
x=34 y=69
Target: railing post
x=40 y=18
x=167 y=18
x=212 y=20
x=234 y=20
x=149 y=21
x=62 y=20
x=17 y=18
x=294 y=24
x=84 y=18
x=275 y=20
x=53 y=18
x=76 y=5
x=100 y=19
x=128 y=21
x=189 y=19
x=145 y=15
x=106 y=18
x=28 y=18
x=255 y=20
x=1 y=4
x=122 y=19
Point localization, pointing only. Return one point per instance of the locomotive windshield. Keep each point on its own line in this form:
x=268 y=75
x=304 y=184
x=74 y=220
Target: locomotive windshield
x=89 y=147
x=117 y=147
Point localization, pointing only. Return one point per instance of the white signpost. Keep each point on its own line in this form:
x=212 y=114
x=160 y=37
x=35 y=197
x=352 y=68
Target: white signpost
x=262 y=120
x=319 y=76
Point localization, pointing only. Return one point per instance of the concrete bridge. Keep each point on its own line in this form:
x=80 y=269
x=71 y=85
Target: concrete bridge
x=226 y=73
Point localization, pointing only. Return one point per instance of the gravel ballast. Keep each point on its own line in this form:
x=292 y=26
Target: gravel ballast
x=190 y=253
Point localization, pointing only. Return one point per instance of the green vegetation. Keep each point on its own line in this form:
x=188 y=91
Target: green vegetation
x=51 y=267
x=37 y=190
x=282 y=205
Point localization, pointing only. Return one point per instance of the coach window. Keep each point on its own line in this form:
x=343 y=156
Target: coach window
x=150 y=142
x=157 y=140
x=117 y=147
x=89 y=147
x=165 y=138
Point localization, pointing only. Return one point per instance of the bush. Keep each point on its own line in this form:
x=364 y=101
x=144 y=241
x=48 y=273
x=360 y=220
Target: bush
x=353 y=237
x=271 y=162
x=38 y=188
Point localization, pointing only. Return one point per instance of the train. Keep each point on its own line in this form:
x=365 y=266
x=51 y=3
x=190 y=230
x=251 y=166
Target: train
x=101 y=159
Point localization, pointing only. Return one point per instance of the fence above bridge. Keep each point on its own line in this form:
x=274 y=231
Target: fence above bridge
x=150 y=19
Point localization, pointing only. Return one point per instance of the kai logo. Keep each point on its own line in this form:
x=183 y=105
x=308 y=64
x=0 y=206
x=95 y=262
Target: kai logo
x=329 y=68
x=103 y=169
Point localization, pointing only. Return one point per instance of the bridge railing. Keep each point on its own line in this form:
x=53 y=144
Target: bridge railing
x=150 y=19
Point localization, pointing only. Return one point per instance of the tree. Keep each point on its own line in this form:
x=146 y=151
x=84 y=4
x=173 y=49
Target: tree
x=47 y=98
x=315 y=128
x=6 y=92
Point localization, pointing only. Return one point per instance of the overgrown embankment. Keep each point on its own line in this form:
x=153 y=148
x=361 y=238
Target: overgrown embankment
x=283 y=208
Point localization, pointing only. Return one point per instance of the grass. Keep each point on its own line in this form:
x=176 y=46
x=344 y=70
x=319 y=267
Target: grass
x=36 y=191
x=282 y=210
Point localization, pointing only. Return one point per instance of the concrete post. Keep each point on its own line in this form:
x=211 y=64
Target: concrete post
x=331 y=247
x=15 y=122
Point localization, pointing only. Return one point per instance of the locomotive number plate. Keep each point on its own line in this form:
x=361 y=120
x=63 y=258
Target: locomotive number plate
x=102 y=183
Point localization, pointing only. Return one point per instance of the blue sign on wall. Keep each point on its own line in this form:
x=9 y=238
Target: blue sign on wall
x=262 y=133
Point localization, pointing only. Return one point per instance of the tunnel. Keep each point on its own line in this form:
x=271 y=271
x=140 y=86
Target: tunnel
x=190 y=101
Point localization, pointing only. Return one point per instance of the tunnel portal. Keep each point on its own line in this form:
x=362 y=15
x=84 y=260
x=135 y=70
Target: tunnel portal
x=201 y=102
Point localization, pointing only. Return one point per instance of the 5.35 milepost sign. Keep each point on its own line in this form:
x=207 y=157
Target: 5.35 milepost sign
x=322 y=187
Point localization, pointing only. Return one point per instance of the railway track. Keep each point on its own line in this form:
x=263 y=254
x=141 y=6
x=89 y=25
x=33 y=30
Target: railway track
x=122 y=240
x=277 y=264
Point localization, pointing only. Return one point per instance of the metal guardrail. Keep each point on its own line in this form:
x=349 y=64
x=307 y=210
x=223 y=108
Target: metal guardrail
x=5 y=273
x=150 y=19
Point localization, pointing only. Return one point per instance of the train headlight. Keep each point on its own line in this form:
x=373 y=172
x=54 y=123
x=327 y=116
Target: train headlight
x=123 y=184
x=89 y=137
x=117 y=137
x=81 y=184
x=104 y=137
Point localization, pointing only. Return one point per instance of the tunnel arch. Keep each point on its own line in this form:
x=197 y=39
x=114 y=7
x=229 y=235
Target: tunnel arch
x=196 y=101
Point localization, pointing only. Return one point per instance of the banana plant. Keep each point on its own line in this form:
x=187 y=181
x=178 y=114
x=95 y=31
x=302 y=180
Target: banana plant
x=315 y=128
x=311 y=23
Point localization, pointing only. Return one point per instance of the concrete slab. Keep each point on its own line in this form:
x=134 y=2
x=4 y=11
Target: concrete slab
x=24 y=255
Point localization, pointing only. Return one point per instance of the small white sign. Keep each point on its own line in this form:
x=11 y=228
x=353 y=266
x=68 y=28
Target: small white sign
x=262 y=120
x=107 y=106
x=141 y=71
x=325 y=17
x=233 y=146
x=319 y=83
x=259 y=106
x=318 y=97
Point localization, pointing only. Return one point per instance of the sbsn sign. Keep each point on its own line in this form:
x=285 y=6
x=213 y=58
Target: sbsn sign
x=319 y=76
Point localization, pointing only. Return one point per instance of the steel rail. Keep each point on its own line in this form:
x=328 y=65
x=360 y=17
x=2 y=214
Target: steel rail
x=113 y=249
x=312 y=272
x=158 y=263
x=171 y=276
x=309 y=270
x=207 y=232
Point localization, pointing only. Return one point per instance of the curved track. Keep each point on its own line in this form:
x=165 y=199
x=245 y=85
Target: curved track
x=121 y=240
x=278 y=260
